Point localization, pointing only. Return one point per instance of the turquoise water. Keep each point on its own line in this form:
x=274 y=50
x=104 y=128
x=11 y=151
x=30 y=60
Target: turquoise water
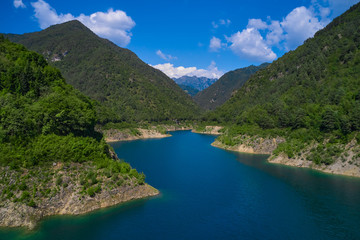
x=209 y=193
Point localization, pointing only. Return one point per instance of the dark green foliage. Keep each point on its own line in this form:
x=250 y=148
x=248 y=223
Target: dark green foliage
x=314 y=89
x=31 y=203
x=219 y=92
x=141 y=179
x=91 y=191
x=125 y=88
x=44 y=120
x=58 y=181
x=22 y=186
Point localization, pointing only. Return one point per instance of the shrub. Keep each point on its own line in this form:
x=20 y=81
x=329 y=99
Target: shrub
x=23 y=186
x=91 y=191
x=31 y=203
x=58 y=181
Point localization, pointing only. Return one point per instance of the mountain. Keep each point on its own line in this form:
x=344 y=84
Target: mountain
x=189 y=90
x=50 y=153
x=199 y=83
x=310 y=95
x=219 y=92
x=126 y=87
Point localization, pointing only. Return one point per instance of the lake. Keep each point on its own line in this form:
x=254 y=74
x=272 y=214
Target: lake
x=210 y=193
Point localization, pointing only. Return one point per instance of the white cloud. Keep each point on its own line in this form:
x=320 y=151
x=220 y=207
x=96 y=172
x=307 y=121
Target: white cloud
x=275 y=34
x=176 y=72
x=47 y=16
x=257 y=23
x=221 y=22
x=335 y=7
x=225 y=22
x=250 y=44
x=164 y=56
x=19 y=3
x=114 y=25
x=257 y=40
x=299 y=25
x=215 y=44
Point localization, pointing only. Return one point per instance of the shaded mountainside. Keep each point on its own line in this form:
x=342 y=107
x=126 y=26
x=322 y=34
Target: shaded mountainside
x=126 y=87
x=189 y=90
x=310 y=96
x=199 y=83
x=52 y=161
x=219 y=92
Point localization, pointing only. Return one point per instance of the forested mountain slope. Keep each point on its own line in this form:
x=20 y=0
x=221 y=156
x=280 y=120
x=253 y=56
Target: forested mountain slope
x=126 y=87
x=49 y=151
x=310 y=95
x=219 y=92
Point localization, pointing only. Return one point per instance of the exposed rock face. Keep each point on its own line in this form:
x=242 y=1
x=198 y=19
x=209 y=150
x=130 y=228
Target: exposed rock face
x=114 y=135
x=348 y=163
x=69 y=202
x=211 y=130
x=252 y=145
x=30 y=194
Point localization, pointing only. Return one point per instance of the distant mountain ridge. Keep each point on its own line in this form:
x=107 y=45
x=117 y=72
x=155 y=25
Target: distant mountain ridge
x=219 y=92
x=126 y=87
x=189 y=90
x=199 y=83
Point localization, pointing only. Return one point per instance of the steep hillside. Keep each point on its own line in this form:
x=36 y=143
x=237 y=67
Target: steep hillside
x=311 y=96
x=126 y=87
x=219 y=92
x=199 y=83
x=51 y=159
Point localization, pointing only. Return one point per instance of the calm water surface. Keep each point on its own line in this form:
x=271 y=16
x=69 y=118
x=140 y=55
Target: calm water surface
x=209 y=193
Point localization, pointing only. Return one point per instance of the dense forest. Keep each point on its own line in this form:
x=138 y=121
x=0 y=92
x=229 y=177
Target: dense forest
x=222 y=90
x=125 y=88
x=44 y=121
x=309 y=95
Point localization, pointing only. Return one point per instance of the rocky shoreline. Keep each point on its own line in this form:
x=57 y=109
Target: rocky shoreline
x=210 y=130
x=117 y=135
x=64 y=189
x=69 y=203
x=347 y=164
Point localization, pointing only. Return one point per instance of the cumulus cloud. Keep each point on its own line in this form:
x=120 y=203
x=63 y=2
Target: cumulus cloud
x=275 y=34
x=175 y=72
x=19 y=3
x=257 y=23
x=257 y=40
x=164 y=56
x=333 y=7
x=47 y=16
x=299 y=25
x=250 y=44
x=221 y=22
x=215 y=44
x=114 y=25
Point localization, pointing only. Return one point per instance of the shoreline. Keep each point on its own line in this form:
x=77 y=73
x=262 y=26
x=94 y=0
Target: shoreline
x=118 y=135
x=18 y=215
x=115 y=135
x=337 y=168
x=209 y=130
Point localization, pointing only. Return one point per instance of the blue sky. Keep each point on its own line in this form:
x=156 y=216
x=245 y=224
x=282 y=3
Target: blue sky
x=203 y=38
